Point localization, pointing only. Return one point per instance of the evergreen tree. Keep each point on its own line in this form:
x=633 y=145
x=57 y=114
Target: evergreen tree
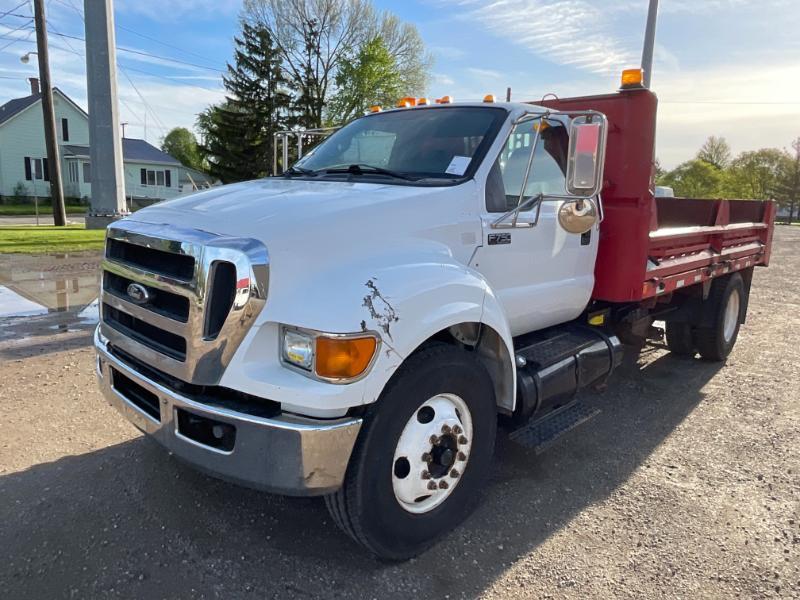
x=238 y=134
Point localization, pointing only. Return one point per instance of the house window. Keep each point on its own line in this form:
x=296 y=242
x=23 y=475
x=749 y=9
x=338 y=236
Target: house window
x=64 y=129
x=36 y=168
x=159 y=178
x=87 y=173
x=74 y=176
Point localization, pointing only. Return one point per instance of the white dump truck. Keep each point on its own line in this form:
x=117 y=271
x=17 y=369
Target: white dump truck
x=355 y=327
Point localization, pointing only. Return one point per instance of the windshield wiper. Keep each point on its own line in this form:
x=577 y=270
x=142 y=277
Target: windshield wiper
x=295 y=170
x=363 y=169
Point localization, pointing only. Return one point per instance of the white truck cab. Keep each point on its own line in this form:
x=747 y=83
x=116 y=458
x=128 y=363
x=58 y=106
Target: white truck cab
x=353 y=327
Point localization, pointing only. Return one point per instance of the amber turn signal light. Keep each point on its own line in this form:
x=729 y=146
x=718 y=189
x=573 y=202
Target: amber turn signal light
x=344 y=358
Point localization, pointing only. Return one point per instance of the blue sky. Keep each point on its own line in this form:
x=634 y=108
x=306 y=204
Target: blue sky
x=723 y=67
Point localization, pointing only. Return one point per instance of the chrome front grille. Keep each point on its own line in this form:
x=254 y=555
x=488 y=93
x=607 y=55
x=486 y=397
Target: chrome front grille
x=181 y=300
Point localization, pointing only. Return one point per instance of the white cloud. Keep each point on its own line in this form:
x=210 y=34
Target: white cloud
x=752 y=105
x=484 y=73
x=447 y=52
x=567 y=32
x=441 y=79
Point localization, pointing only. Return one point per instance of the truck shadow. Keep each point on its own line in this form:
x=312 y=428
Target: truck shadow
x=130 y=519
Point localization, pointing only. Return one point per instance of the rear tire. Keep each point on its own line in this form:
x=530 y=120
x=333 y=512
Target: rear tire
x=373 y=506
x=726 y=303
x=680 y=339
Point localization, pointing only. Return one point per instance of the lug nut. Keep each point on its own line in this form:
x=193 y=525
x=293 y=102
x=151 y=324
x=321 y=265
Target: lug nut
x=431 y=485
x=461 y=456
x=426 y=457
x=462 y=439
x=454 y=473
x=456 y=429
x=426 y=474
x=443 y=485
x=445 y=429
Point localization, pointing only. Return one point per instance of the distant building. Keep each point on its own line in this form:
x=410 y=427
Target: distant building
x=150 y=174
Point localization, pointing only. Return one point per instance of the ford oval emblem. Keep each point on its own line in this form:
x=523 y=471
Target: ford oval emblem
x=138 y=293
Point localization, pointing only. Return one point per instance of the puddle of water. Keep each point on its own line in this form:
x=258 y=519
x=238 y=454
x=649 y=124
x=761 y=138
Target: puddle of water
x=14 y=305
x=48 y=294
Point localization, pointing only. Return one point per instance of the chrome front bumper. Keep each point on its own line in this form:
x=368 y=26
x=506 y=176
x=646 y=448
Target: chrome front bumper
x=285 y=454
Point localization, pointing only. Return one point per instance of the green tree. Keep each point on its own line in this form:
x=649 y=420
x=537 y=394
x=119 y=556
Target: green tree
x=695 y=179
x=238 y=134
x=316 y=37
x=182 y=144
x=787 y=189
x=755 y=174
x=715 y=151
x=369 y=78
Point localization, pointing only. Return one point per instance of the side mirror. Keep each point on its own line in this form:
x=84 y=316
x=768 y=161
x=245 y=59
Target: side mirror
x=586 y=158
x=578 y=216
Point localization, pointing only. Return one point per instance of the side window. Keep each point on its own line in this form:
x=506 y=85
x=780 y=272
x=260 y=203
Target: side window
x=548 y=171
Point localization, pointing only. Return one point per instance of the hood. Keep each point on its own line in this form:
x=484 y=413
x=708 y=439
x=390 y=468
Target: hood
x=299 y=216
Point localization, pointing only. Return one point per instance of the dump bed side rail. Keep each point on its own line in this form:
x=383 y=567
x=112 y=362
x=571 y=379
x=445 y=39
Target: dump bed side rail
x=693 y=240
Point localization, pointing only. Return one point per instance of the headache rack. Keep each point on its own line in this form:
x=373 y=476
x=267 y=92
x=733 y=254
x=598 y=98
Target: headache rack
x=653 y=246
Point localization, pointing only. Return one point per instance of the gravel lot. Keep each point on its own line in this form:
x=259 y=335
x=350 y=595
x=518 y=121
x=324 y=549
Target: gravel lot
x=686 y=485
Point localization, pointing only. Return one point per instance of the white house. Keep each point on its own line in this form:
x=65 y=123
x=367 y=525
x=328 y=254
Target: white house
x=150 y=174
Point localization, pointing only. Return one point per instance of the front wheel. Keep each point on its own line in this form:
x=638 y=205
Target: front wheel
x=422 y=455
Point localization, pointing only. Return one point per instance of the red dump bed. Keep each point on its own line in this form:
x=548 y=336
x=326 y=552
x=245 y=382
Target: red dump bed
x=651 y=246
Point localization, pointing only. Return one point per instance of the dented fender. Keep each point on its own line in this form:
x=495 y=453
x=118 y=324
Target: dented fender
x=404 y=304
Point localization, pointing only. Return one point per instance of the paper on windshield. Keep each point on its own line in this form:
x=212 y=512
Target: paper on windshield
x=458 y=166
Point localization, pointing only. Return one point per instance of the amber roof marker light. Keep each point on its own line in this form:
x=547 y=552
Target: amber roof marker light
x=632 y=79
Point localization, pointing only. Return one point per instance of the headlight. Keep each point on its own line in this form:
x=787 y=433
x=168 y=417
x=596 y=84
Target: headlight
x=298 y=349
x=331 y=357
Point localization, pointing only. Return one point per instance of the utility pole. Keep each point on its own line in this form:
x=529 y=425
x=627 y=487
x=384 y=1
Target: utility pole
x=649 y=42
x=108 y=179
x=48 y=112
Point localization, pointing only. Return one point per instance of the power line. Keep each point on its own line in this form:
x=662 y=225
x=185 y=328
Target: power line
x=712 y=102
x=171 y=79
x=148 y=54
x=156 y=119
x=19 y=39
x=69 y=4
x=20 y=5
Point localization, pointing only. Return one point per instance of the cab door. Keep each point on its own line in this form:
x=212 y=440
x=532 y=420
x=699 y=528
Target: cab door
x=541 y=274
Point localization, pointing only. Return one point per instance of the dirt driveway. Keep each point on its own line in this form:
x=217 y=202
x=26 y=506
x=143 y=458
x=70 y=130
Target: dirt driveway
x=686 y=485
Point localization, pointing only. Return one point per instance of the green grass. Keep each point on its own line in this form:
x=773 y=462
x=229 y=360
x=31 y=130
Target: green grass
x=28 y=210
x=30 y=239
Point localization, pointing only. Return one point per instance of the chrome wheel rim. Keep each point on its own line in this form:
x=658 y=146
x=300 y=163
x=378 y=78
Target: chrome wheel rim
x=432 y=453
x=731 y=316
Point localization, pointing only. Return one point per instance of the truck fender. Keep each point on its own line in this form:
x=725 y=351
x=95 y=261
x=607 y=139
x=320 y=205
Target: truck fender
x=460 y=303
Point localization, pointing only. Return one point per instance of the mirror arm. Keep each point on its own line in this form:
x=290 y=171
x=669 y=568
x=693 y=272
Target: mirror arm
x=516 y=210
x=528 y=169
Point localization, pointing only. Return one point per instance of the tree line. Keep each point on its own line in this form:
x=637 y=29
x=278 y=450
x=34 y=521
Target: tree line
x=769 y=173
x=300 y=64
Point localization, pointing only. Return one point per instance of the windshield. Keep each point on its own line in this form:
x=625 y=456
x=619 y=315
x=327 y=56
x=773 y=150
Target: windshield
x=437 y=144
